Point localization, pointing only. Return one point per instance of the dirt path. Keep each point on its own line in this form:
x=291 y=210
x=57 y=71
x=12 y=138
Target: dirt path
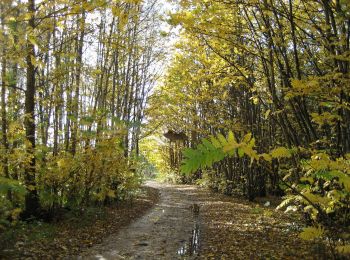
x=169 y=231
x=192 y=223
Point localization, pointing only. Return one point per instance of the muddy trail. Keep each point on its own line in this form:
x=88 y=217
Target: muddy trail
x=192 y=223
x=169 y=230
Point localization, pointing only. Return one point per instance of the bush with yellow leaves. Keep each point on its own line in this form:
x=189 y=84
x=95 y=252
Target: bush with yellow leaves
x=95 y=175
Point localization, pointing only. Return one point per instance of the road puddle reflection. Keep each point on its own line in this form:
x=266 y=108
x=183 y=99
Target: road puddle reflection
x=191 y=247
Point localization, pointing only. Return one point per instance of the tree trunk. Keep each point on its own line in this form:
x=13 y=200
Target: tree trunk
x=32 y=204
x=80 y=44
x=4 y=112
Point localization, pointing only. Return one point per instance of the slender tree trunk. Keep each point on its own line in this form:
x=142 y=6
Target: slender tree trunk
x=4 y=83
x=32 y=204
x=80 y=45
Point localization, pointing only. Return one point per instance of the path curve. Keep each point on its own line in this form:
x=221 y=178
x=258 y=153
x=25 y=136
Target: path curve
x=170 y=230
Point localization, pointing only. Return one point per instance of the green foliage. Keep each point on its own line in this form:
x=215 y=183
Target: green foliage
x=216 y=148
x=9 y=185
x=207 y=153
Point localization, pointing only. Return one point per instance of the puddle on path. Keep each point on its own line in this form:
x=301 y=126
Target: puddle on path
x=171 y=230
x=191 y=247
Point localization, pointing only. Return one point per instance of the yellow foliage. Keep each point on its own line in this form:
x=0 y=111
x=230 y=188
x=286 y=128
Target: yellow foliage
x=303 y=87
x=317 y=198
x=311 y=233
x=15 y=213
x=280 y=152
x=325 y=118
x=267 y=157
x=344 y=249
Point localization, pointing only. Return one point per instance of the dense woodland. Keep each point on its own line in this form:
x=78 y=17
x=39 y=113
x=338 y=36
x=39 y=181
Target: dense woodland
x=258 y=93
x=75 y=79
x=253 y=101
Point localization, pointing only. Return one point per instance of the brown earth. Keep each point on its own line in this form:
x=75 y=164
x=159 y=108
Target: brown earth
x=171 y=222
x=69 y=237
x=193 y=223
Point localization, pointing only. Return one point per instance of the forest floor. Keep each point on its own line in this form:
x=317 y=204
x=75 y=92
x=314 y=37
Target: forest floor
x=193 y=223
x=166 y=222
x=74 y=231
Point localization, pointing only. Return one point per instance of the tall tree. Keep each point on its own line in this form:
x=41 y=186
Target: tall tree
x=32 y=204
